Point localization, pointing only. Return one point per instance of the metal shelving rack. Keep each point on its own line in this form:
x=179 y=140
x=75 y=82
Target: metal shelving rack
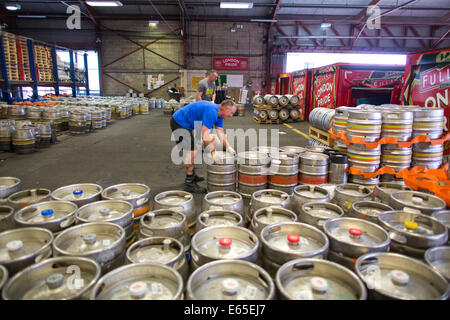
x=7 y=85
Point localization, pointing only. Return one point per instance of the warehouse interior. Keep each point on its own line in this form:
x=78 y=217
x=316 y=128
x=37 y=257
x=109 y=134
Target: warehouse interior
x=323 y=79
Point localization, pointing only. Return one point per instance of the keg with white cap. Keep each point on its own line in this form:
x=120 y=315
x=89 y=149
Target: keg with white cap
x=287 y=241
x=137 y=194
x=261 y=114
x=413 y=233
x=103 y=242
x=317 y=212
x=283 y=172
x=383 y=190
x=270 y=215
x=308 y=193
x=80 y=194
x=114 y=211
x=351 y=238
x=368 y=210
x=364 y=124
x=77 y=122
x=22 y=199
x=346 y=194
x=140 y=281
x=8 y=186
x=398 y=124
x=180 y=201
x=230 y=280
x=23 y=247
x=221 y=175
x=282 y=100
x=52 y=215
x=268 y=198
x=313 y=168
x=268 y=150
x=6 y=218
x=395 y=276
x=53 y=279
x=226 y=200
x=165 y=223
x=428 y=155
x=438 y=258
x=295 y=114
x=283 y=114
x=273 y=114
x=317 y=279
x=218 y=217
x=252 y=172
x=294 y=100
x=223 y=243
x=428 y=122
x=423 y=202
x=165 y=250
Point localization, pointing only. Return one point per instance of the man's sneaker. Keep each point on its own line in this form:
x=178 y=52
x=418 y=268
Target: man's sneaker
x=198 y=178
x=194 y=187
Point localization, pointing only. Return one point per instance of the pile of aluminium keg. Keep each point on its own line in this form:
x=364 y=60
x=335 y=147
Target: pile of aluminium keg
x=400 y=122
x=173 y=105
x=274 y=107
x=350 y=243
x=25 y=129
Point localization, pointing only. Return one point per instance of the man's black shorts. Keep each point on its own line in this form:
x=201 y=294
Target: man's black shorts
x=178 y=137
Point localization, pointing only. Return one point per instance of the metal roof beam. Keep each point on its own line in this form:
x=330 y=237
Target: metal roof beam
x=441 y=39
x=291 y=44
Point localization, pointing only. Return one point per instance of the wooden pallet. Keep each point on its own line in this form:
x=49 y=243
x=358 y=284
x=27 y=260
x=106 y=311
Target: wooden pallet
x=321 y=136
x=267 y=121
x=266 y=107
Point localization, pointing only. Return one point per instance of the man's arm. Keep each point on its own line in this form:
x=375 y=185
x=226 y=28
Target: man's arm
x=199 y=96
x=214 y=97
x=222 y=136
x=201 y=89
x=207 y=139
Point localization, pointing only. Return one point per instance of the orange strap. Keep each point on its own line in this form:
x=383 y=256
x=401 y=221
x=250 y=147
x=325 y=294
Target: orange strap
x=313 y=179
x=283 y=180
x=251 y=179
x=141 y=210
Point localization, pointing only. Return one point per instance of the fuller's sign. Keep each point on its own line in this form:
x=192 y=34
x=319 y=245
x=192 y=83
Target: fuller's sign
x=230 y=63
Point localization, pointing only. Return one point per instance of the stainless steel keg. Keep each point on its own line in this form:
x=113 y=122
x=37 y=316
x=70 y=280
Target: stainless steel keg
x=52 y=215
x=80 y=194
x=3 y=277
x=383 y=190
x=438 y=258
x=6 y=218
x=8 y=186
x=23 y=140
x=317 y=279
x=287 y=241
x=429 y=122
x=252 y=172
x=395 y=276
x=230 y=280
x=443 y=216
x=364 y=124
x=317 y=212
x=226 y=200
x=25 y=198
x=308 y=193
x=366 y=159
x=61 y=278
x=268 y=198
x=23 y=247
x=180 y=201
x=221 y=175
x=165 y=250
x=368 y=210
x=270 y=215
x=114 y=211
x=423 y=202
x=223 y=243
x=428 y=155
x=398 y=124
x=293 y=149
x=283 y=172
x=140 y=281
x=346 y=194
x=313 y=168
x=103 y=242
x=218 y=217
x=165 y=223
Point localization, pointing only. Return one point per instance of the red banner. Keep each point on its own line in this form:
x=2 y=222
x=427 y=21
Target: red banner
x=324 y=88
x=230 y=63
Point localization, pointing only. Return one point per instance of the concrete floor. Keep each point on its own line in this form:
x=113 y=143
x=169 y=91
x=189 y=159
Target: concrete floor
x=133 y=150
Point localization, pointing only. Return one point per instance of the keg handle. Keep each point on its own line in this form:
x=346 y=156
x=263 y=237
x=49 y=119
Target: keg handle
x=398 y=237
x=303 y=266
x=44 y=255
x=67 y=222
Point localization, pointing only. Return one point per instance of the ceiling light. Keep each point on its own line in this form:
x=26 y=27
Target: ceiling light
x=153 y=23
x=236 y=5
x=104 y=3
x=12 y=6
x=325 y=25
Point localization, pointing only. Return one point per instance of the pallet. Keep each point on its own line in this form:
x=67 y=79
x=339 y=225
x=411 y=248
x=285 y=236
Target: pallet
x=321 y=136
x=268 y=121
x=266 y=107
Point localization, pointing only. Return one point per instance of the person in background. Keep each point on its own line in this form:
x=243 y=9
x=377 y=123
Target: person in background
x=207 y=87
x=187 y=119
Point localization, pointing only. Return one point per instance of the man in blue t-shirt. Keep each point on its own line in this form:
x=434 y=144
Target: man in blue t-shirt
x=201 y=116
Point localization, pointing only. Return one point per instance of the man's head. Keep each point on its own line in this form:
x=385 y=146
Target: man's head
x=212 y=75
x=226 y=109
